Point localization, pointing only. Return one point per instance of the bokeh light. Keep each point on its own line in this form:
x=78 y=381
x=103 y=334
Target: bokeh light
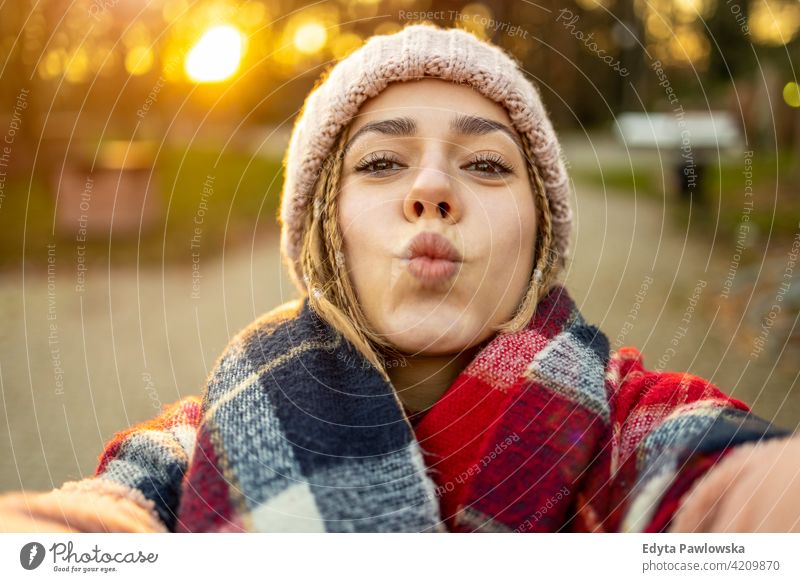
x=216 y=56
x=775 y=22
x=310 y=37
x=139 y=60
x=791 y=94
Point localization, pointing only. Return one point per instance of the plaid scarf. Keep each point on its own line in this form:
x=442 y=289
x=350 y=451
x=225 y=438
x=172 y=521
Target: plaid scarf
x=544 y=430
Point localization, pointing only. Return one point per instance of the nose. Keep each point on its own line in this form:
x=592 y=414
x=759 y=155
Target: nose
x=432 y=196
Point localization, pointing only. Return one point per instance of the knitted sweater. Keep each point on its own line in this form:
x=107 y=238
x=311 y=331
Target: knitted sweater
x=545 y=430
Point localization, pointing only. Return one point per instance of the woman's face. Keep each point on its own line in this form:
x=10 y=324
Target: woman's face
x=437 y=214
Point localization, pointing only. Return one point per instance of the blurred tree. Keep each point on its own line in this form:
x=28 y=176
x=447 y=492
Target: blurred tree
x=92 y=64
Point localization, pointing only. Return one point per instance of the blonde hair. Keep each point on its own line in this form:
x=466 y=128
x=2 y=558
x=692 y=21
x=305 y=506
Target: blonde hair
x=332 y=295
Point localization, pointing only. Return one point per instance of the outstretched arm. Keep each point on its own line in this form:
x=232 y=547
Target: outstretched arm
x=136 y=486
x=756 y=488
x=672 y=432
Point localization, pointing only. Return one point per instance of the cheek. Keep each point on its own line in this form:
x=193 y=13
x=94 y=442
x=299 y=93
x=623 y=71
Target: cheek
x=510 y=238
x=349 y=216
x=363 y=227
x=362 y=214
x=511 y=228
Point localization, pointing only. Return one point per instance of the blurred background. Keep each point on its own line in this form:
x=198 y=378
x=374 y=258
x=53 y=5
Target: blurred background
x=141 y=144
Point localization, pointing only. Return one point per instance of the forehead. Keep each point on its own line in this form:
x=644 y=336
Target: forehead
x=435 y=100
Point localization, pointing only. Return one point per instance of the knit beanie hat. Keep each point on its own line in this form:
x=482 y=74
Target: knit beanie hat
x=416 y=51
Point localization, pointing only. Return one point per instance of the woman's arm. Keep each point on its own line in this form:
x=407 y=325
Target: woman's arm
x=136 y=486
x=90 y=505
x=755 y=488
x=668 y=431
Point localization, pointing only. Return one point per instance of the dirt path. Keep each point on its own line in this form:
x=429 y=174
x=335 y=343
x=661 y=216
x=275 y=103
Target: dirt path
x=77 y=366
x=127 y=344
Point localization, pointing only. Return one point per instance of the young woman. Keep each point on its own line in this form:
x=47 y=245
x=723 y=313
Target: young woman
x=434 y=376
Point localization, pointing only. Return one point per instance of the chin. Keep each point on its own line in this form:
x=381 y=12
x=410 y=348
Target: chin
x=430 y=335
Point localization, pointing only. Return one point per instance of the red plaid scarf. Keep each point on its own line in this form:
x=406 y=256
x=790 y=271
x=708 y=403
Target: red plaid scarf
x=546 y=431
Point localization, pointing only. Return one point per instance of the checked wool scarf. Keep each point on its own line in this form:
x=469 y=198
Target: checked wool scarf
x=545 y=430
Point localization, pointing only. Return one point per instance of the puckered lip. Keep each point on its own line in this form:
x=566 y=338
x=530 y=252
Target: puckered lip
x=432 y=245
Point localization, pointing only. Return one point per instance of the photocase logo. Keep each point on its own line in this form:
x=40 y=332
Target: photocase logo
x=31 y=555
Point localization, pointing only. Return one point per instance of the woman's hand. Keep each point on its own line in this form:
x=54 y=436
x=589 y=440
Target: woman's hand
x=75 y=509
x=24 y=512
x=755 y=488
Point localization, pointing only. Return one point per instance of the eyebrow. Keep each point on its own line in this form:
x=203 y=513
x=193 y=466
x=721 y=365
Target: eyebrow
x=474 y=125
x=461 y=125
x=398 y=126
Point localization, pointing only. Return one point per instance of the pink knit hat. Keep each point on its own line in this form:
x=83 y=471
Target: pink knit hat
x=419 y=50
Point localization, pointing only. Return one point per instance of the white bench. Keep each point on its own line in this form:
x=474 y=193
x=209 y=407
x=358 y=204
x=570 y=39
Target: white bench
x=689 y=137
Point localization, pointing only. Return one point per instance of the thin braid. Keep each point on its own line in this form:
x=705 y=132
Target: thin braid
x=545 y=257
x=323 y=265
x=334 y=240
x=333 y=234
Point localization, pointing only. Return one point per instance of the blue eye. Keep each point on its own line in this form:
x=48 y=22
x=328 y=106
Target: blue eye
x=377 y=164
